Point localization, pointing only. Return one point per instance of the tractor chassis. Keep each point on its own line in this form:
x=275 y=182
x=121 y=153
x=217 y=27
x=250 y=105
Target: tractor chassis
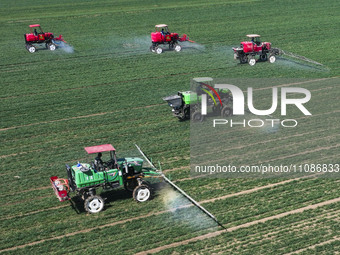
x=264 y=55
x=158 y=47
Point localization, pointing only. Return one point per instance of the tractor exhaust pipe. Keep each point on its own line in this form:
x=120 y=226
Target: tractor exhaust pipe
x=180 y=190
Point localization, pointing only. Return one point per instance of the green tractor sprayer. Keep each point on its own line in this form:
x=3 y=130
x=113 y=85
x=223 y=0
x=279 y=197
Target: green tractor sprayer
x=187 y=104
x=129 y=172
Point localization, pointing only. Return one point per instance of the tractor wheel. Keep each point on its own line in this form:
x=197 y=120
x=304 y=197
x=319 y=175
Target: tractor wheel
x=272 y=59
x=226 y=111
x=216 y=109
x=94 y=204
x=158 y=50
x=263 y=57
x=197 y=117
x=186 y=113
x=130 y=185
x=142 y=193
x=31 y=48
x=252 y=61
x=243 y=59
x=178 y=48
x=52 y=47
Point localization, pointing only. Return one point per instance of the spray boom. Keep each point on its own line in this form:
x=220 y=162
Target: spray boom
x=179 y=189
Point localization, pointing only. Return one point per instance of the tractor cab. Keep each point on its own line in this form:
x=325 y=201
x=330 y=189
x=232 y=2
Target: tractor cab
x=99 y=164
x=163 y=29
x=36 y=29
x=128 y=165
x=162 y=34
x=255 y=39
x=37 y=34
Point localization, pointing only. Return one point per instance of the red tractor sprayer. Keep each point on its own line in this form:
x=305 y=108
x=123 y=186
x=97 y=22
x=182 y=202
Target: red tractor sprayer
x=38 y=36
x=248 y=50
x=162 y=36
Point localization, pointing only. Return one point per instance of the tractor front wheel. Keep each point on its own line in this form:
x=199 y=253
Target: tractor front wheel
x=158 y=50
x=142 y=193
x=52 y=47
x=31 y=48
x=252 y=61
x=178 y=48
x=272 y=59
x=94 y=204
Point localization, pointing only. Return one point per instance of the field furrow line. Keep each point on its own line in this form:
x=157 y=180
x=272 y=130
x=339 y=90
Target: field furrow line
x=203 y=201
x=217 y=233
x=143 y=216
x=73 y=118
x=282 y=157
x=314 y=246
x=34 y=212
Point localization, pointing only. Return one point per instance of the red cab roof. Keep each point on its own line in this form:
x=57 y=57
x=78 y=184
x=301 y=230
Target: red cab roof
x=35 y=25
x=99 y=148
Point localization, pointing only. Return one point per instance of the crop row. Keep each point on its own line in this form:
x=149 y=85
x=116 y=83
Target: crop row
x=231 y=211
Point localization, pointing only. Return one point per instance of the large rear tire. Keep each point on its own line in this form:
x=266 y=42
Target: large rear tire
x=142 y=193
x=94 y=204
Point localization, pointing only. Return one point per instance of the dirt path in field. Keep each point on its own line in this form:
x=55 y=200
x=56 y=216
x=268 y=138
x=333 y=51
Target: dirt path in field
x=140 y=217
x=217 y=233
x=313 y=246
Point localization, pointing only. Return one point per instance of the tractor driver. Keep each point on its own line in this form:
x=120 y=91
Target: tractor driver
x=98 y=162
x=35 y=32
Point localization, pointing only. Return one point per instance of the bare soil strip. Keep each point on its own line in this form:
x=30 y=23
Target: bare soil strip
x=217 y=233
